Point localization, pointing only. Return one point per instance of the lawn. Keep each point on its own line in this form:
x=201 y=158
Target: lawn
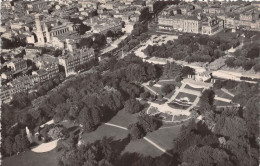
x=165 y=82
x=143 y=147
x=189 y=96
x=222 y=94
x=124 y=118
x=178 y=106
x=197 y=89
x=156 y=89
x=30 y=158
x=104 y=131
x=164 y=137
x=221 y=103
x=169 y=95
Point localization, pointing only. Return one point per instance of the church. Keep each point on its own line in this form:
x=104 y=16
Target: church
x=52 y=33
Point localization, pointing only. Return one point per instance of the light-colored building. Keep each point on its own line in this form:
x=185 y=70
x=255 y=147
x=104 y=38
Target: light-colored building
x=204 y=76
x=47 y=32
x=71 y=62
x=6 y=75
x=213 y=10
x=212 y=26
x=102 y=25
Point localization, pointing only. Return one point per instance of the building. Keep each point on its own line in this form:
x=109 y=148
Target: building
x=102 y=25
x=71 y=62
x=5 y=94
x=7 y=75
x=213 y=10
x=48 y=67
x=17 y=64
x=204 y=76
x=47 y=31
x=213 y=26
x=20 y=84
x=30 y=49
x=37 y=6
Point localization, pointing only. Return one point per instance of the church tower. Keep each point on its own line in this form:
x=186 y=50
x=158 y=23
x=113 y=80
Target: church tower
x=39 y=32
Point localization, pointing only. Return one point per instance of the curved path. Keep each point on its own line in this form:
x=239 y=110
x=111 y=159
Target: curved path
x=45 y=147
x=145 y=138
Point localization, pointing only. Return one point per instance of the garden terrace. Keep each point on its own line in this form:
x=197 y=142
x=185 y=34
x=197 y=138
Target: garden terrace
x=182 y=96
x=176 y=105
x=192 y=88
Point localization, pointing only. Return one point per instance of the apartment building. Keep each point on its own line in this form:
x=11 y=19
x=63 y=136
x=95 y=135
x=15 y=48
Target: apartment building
x=71 y=62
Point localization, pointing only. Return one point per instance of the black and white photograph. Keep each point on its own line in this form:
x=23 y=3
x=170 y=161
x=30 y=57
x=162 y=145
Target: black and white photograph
x=130 y=83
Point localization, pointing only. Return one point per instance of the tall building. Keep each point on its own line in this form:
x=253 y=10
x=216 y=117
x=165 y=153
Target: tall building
x=71 y=62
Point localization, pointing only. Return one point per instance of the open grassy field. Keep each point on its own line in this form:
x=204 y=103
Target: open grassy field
x=30 y=158
x=124 y=118
x=104 y=131
x=141 y=146
x=164 y=137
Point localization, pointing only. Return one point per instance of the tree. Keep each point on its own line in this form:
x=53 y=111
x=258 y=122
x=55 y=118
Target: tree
x=135 y=131
x=85 y=42
x=148 y=123
x=86 y=119
x=257 y=67
x=166 y=89
x=132 y=106
x=145 y=95
x=44 y=132
x=251 y=115
x=100 y=40
x=248 y=64
x=83 y=29
x=253 y=52
x=21 y=143
x=8 y=145
x=186 y=70
x=206 y=100
x=151 y=83
x=110 y=33
x=205 y=156
x=56 y=133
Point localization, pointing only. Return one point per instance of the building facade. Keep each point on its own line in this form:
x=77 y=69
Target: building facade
x=71 y=62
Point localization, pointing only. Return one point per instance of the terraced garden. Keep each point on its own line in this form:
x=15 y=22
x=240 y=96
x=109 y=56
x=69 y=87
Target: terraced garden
x=192 y=88
x=182 y=96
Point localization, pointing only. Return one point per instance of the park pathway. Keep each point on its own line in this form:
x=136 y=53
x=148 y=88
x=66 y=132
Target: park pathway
x=147 y=87
x=145 y=138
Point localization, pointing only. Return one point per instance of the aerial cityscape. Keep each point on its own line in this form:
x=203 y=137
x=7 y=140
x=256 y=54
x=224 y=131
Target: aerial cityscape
x=130 y=83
